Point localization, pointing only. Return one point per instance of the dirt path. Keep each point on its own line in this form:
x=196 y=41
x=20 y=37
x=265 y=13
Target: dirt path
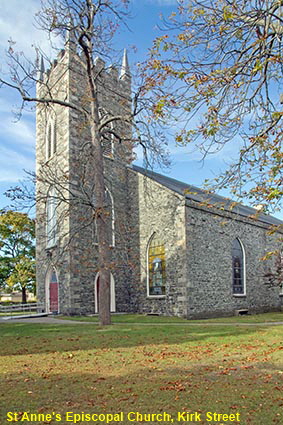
x=43 y=319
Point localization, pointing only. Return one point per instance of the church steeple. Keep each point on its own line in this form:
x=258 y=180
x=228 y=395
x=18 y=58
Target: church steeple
x=125 y=69
x=41 y=70
x=70 y=40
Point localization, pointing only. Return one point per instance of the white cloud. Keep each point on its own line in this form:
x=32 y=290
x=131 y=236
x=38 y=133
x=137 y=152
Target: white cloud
x=12 y=164
x=18 y=24
x=17 y=143
x=21 y=131
x=16 y=131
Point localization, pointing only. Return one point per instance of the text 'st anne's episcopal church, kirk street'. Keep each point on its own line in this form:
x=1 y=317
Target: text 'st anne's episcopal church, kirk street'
x=171 y=252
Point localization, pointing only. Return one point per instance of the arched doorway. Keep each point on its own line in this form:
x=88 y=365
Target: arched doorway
x=52 y=295
x=112 y=294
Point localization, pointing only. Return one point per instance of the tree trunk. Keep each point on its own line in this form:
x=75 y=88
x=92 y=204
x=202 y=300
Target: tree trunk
x=101 y=214
x=24 y=295
x=102 y=219
x=104 y=297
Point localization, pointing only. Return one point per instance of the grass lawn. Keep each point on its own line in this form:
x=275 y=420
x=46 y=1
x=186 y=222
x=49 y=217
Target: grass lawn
x=55 y=369
x=140 y=318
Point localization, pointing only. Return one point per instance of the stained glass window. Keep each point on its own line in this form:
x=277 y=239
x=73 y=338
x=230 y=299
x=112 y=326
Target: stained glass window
x=156 y=267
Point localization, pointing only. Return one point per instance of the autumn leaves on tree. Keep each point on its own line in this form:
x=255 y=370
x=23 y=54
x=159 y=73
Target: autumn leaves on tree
x=217 y=73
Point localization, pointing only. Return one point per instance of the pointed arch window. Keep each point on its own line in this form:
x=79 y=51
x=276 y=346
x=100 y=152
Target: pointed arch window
x=51 y=218
x=156 y=267
x=51 y=137
x=238 y=268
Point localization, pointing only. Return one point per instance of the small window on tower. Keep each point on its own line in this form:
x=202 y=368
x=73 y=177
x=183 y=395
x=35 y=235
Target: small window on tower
x=51 y=218
x=51 y=138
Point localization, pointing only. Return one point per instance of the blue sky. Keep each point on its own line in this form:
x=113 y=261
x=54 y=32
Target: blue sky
x=17 y=138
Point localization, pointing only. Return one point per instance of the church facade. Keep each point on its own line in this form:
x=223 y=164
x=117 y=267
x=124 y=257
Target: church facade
x=175 y=250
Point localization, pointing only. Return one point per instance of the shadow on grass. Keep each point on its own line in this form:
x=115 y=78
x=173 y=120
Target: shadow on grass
x=24 y=338
x=146 y=384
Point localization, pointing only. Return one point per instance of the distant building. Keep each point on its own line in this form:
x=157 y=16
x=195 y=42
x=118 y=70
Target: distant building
x=16 y=297
x=175 y=249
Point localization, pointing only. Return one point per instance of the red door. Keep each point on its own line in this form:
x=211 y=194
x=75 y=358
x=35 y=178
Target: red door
x=53 y=293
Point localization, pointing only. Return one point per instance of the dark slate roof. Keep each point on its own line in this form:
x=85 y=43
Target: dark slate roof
x=195 y=194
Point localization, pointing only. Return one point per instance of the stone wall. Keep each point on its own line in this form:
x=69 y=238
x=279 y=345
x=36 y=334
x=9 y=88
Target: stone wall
x=198 y=245
x=75 y=253
x=161 y=211
x=50 y=172
x=209 y=264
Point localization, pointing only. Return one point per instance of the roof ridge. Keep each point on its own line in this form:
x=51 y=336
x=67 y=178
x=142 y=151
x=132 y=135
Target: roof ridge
x=181 y=188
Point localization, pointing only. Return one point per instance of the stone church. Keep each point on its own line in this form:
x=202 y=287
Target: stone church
x=175 y=250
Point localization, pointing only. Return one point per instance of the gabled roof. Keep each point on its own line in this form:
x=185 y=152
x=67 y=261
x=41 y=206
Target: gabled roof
x=197 y=195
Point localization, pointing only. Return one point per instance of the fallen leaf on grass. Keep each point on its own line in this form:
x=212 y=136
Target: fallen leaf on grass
x=173 y=386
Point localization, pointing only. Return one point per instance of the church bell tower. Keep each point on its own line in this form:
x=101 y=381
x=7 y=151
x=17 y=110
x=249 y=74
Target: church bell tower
x=67 y=269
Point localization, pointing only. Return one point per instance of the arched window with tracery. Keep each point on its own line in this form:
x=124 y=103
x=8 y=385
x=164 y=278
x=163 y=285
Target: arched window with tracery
x=156 y=265
x=238 y=268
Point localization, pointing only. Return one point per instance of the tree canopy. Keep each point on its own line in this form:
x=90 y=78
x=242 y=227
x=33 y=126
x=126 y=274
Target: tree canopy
x=217 y=73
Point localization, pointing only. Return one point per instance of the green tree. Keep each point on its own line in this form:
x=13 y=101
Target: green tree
x=5 y=271
x=17 y=252
x=217 y=73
